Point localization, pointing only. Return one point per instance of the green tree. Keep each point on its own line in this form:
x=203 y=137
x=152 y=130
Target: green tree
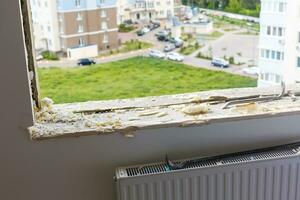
x=234 y=6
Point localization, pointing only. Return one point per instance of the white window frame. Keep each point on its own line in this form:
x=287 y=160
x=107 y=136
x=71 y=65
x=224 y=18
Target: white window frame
x=22 y=46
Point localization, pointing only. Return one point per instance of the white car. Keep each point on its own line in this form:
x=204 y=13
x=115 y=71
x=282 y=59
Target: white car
x=169 y=47
x=251 y=70
x=145 y=30
x=157 y=54
x=175 y=57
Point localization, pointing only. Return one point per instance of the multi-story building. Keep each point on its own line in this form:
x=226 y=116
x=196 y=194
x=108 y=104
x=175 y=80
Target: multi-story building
x=85 y=22
x=45 y=24
x=137 y=10
x=279 y=44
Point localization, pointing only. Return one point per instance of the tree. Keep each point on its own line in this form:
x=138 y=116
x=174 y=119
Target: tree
x=234 y=6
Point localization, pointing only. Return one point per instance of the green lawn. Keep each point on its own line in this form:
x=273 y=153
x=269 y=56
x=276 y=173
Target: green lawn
x=188 y=50
x=129 y=46
x=135 y=77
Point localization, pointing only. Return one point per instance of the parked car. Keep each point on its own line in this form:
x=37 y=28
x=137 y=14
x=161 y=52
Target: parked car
x=169 y=47
x=178 y=44
x=140 y=33
x=163 y=38
x=162 y=33
x=85 y=61
x=219 y=62
x=157 y=54
x=175 y=57
x=251 y=70
x=146 y=30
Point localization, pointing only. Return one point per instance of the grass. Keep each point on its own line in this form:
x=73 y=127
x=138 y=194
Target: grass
x=123 y=28
x=188 y=50
x=216 y=34
x=212 y=36
x=49 y=55
x=128 y=46
x=135 y=77
x=247 y=33
x=226 y=22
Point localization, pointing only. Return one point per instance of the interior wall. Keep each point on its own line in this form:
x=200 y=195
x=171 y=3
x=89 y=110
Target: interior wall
x=83 y=168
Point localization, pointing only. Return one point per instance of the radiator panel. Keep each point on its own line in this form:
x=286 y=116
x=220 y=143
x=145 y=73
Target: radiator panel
x=269 y=179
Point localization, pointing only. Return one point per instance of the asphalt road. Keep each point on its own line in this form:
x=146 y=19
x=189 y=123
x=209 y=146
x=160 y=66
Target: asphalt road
x=189 y=60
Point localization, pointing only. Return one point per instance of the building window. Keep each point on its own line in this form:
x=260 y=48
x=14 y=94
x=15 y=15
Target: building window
x=268 y=54
x=104 y=25
x=103 y=13
x=105 y=38
x=277 y=78
x=81 y=42
x=274 y=31
x=79 y=16
x=272 y=54
x=280 y=31
x=80 y=28
x=60 y=17
x=77 y=3
x=269 y=30
x=298 y=62
x=282 y=7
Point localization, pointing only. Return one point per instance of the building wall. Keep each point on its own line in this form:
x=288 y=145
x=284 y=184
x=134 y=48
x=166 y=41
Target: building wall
x=45 y=24
x=278 y=36
x=91 y=21
x=83 y=168
x=145 y=9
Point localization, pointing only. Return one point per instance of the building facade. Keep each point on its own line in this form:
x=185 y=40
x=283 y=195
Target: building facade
x=140 y=10
x=87 y=22
x=45 y=25
x=279 y=44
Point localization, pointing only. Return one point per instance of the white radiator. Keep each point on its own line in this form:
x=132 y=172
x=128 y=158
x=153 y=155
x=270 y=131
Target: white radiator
x=273 y=174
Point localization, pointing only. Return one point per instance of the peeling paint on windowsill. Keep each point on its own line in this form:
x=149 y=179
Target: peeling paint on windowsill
x=126 y=117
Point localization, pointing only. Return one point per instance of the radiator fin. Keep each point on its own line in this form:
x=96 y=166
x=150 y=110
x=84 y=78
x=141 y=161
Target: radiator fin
x=162 y=167
x=273 y=175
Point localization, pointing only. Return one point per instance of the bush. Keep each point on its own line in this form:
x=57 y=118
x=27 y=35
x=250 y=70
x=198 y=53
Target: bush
x=231 y=60
x=123 y=28
x=49 y=55
x=202 y=56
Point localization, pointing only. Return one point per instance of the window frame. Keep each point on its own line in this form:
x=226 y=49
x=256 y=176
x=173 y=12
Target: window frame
x=37 y=100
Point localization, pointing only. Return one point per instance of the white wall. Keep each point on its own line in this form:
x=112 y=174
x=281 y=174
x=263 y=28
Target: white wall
x=82 y=168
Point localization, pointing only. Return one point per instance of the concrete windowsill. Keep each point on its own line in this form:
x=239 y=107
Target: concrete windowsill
x=130 y=115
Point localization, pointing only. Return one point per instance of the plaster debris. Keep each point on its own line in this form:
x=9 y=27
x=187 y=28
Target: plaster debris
x=196 y=99
x=247 y=108
x=196 y=109
x=148 y=113
x=133 y=119
x=48 y=114
x=162 y=114
x=56 y=121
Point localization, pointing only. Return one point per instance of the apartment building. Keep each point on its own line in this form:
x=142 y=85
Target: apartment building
x=45 y=24
x=139 y=10
x=279 y=44
x=87 y=22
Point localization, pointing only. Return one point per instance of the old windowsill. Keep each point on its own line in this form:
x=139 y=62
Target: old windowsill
x=128 y=116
